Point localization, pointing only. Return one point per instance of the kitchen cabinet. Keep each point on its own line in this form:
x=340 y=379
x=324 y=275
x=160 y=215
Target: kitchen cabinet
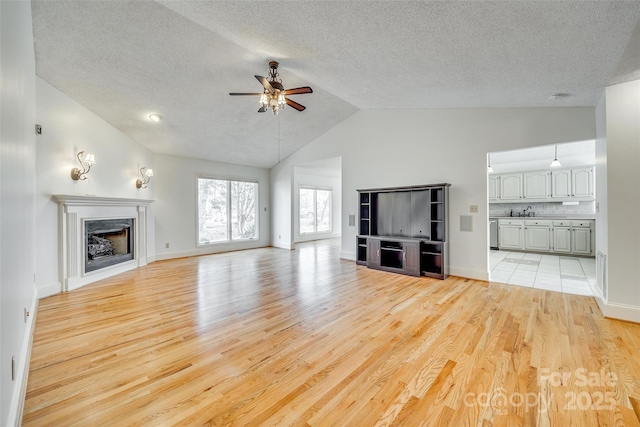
x=573 y=237
x=494 y=188
x=561 y=184
x=582 y=182
x=511 y=186
x=536 y=185
x=562 y=239
x=537 y=235
x=581 y=237
x=560 y=236
x=511 y=234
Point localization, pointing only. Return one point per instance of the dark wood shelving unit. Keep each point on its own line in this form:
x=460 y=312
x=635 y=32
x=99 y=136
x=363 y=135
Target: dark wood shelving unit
x=404 y=230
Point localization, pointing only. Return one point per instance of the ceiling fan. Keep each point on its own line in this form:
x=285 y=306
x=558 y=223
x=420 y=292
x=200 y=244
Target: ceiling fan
x=274 y=93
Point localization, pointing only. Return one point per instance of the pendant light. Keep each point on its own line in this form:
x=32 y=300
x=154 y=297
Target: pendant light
x=489 y=169
x=555 y=163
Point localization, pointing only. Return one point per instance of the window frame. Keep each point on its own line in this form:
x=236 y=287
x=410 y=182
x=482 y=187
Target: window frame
x=230 y=238
x=315 y=189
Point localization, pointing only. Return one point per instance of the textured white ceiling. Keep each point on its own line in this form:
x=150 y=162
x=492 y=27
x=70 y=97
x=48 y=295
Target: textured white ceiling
x=126 y=59
x=578 y=153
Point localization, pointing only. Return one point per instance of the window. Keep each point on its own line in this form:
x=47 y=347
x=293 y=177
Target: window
x=227 y=210
x=315 y=210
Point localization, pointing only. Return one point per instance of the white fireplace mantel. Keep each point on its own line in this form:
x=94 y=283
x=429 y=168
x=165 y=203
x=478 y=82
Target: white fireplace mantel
x=73 y=212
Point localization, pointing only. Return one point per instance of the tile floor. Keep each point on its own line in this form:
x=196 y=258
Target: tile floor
x=571 y=275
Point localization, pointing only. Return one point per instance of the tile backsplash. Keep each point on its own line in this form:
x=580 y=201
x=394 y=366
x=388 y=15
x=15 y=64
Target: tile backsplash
x=544 y=208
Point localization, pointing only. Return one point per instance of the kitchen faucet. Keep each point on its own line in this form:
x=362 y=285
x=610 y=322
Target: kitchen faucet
x=524 y=212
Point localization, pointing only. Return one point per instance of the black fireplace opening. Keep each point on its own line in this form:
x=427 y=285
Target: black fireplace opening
x=107 y=242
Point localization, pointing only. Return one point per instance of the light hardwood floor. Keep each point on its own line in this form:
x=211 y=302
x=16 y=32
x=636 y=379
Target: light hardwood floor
x=276 y=337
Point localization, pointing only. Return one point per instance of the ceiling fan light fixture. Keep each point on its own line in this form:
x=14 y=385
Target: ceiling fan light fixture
x=273 y=101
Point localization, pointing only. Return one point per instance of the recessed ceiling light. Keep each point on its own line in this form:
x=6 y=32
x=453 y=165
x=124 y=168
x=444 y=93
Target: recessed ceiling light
x=155 y=117
x=556 y=96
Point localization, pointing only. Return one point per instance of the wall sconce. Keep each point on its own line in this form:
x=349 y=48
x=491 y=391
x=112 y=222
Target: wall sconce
x=89 y=159
x=146 y=177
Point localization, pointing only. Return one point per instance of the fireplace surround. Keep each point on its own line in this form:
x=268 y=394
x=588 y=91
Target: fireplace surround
x=123 y=222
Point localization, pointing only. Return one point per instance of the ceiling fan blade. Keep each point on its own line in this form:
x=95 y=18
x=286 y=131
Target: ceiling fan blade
x=265 y=83
x=295 y=105
x=236 y=94
x=262 y=109
x=298 y=90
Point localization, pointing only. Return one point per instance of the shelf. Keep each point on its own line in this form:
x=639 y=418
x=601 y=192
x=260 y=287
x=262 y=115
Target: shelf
x=404 y=229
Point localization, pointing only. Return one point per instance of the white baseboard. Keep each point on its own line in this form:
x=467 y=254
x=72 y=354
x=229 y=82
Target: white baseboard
x=310 y=237
x=468 y=273
x=287 y=246
x=351 y=256
x=203 y=251
x=597 y=295
x=22 y=371
x=630 y=313
x=50 y=289
x=151 y=259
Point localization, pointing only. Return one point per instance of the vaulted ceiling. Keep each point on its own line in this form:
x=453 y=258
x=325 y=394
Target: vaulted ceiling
x=126 y=59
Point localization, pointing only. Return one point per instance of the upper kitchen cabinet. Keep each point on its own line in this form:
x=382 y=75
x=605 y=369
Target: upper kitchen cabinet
x=494 y=188
x=510 y=186
x=557 y=185
x=582 y=182
x=536 y=185
x=561 y=184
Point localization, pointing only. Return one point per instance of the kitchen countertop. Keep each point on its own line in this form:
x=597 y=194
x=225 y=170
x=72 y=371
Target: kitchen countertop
x=572 y=216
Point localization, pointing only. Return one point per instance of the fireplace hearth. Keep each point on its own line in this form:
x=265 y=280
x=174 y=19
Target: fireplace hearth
x=108 y=242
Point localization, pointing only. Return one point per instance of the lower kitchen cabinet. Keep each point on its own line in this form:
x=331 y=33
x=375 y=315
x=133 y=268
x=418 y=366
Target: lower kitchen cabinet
x=537 y=236
x=581 y=241
x=562 y=239
x=511 y=234
x=555 y=236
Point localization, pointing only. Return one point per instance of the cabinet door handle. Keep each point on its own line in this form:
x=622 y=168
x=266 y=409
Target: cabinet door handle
x=378 y=252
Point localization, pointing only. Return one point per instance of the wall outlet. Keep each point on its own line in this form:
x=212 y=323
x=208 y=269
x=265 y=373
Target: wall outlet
x=279 y=237
x=166 y=245
x=473 y=208
x=26 y=314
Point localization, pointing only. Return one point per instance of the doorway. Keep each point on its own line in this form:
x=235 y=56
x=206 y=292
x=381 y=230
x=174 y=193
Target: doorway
x=542 y=217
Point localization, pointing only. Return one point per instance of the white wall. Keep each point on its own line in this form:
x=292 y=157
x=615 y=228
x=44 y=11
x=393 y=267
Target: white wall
x=176 y=207
x=623 y=188
x=17 y=201
x=67 y=128
x=302 y=177
x=385 y=148
x=602 y=216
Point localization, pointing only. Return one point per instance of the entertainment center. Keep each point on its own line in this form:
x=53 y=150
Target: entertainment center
x=404 y=230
